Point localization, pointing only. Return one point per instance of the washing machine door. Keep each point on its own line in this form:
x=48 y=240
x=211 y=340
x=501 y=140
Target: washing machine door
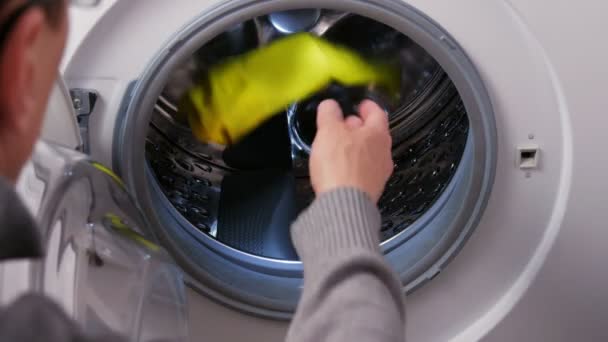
x=60 y=127
x=101 y=265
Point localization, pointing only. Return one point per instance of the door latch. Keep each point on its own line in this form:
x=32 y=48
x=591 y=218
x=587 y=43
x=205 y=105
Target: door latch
x=84 y=101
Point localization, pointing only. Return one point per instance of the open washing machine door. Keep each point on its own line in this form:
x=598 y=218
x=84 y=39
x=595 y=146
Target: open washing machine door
x=495 y=82
x=101 y=265
x=60 y=127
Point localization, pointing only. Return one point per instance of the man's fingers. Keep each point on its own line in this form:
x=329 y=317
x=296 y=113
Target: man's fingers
x=367 y=108
x=329 y=113
x=373 y=115
x=354 y=122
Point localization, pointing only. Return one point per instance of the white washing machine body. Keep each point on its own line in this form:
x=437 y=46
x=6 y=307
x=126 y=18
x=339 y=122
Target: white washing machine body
x=533 y=268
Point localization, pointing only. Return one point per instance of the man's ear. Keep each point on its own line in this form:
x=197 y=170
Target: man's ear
x=17 y=70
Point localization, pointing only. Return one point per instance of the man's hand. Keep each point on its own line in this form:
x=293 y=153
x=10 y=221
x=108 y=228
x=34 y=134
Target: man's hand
x=352 y=152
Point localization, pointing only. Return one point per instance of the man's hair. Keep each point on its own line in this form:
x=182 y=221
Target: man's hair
x=51 y=8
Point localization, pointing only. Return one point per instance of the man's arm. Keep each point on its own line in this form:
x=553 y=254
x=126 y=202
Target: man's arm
x=350 y=293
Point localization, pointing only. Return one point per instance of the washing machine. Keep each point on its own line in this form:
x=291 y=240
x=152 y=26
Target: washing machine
x=494 y=218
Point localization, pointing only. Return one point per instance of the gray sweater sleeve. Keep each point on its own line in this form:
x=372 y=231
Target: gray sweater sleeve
x=350 y=293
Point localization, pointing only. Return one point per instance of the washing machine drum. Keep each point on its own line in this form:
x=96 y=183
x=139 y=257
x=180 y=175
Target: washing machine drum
x=247 y=195
x=239 y=201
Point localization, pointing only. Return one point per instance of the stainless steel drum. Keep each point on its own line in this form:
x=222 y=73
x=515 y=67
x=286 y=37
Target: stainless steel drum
x=208 y=185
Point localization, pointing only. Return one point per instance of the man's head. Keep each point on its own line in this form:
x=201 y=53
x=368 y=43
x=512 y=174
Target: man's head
x=32 y=39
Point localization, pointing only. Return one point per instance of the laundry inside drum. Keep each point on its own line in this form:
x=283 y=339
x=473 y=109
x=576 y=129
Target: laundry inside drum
x=247 y=194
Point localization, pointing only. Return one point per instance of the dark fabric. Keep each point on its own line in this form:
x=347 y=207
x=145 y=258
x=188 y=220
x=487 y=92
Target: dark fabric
x=34 y=318
x=19 y=236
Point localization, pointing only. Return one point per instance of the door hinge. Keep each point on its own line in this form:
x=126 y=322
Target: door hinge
x=84 y=101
